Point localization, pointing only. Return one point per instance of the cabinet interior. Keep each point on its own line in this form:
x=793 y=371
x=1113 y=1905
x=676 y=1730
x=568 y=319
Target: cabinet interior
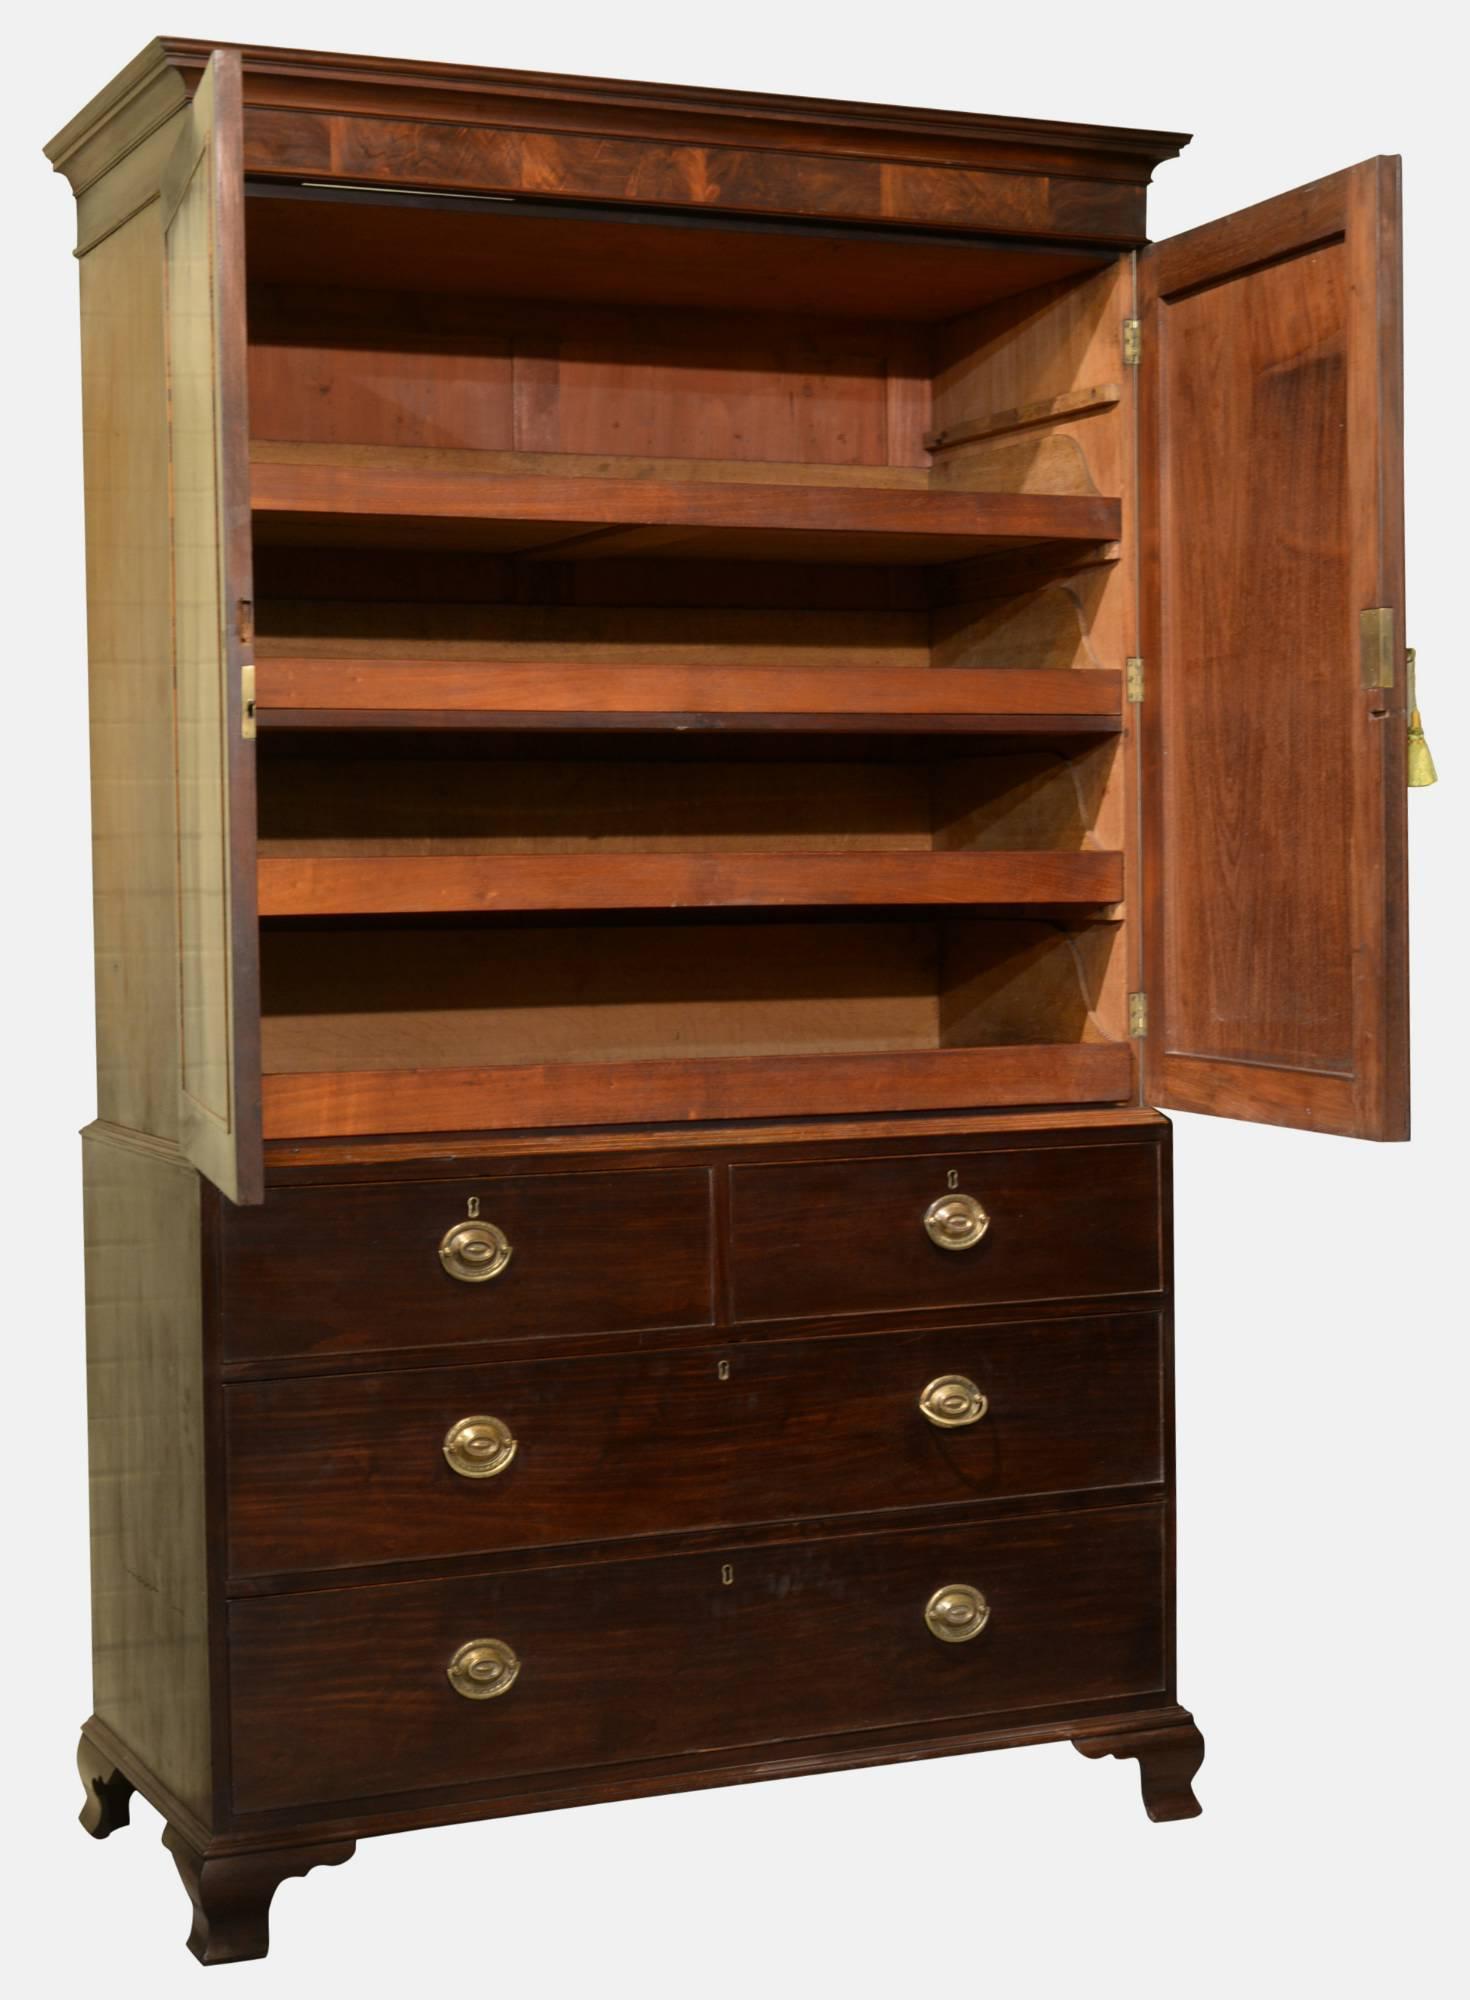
x=683 y=648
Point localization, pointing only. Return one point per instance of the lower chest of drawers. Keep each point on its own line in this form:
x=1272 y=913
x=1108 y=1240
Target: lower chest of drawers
x=725 y=1453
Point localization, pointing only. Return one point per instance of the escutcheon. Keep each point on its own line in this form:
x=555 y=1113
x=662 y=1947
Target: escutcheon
x=956 y=1612
x=483 y=1669
x=479 y=1447
x=474 y=1251
x=955 y=1221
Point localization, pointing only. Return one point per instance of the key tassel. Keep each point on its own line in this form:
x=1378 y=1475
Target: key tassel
x=1420 y=769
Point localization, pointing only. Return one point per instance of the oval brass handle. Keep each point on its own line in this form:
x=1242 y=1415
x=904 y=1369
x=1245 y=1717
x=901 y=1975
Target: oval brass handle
x=955 y=1221
x=952 y=1401
x=474 y=1251
x=956 y=1612
x=479 y=1447
x=483 y=1669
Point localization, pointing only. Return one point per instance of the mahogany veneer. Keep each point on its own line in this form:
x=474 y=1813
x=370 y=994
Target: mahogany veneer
x=366 y=496
x=639 y=638
x=297 y=693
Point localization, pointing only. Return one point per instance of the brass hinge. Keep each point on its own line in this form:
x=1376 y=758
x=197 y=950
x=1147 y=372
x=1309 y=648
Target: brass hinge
x=1132 y=342
x=1376 y=649
x=247 y=701
x=1137 y=1016
x=1133 y=679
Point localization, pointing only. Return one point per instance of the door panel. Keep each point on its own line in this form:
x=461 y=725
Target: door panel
x=1273 y=737
x=209 y=493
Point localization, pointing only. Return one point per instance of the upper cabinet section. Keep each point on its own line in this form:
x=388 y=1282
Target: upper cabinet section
x=440 y=126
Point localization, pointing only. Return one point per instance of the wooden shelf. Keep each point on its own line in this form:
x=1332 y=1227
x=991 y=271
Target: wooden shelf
x=555 y=505
x=355 y=1103
x=389 y=885
x=424 y=691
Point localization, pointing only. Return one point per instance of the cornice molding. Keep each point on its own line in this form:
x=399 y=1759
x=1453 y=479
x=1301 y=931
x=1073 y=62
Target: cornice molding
x=151 y=88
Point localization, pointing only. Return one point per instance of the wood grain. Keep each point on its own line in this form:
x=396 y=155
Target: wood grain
x=326 y=1103
x=211 y=597
x=1065 y=1224
x=129 y=648
x=337 y=1472
x=780 y=697
x=145 y=1404
x=347 y=239
x=408 y=496
x=626 y=1661
x=287 y=1157
x=403 y=884
x=304 y=84
x=478 y=158
x=1277 y=975
x=379 y=996
x=1168 y=1758
x=231 y=1893
x=649 y=1266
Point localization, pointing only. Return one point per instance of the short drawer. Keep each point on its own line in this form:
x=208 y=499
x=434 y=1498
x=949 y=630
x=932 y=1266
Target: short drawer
x=346 y=1269
x=362 y=1469
x=850 y=1236
x=339 y=1694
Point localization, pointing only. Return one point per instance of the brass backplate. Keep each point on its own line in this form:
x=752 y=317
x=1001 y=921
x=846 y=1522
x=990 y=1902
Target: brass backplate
x=1376 y=647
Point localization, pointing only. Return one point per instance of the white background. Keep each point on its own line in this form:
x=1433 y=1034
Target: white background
x=1322 y=1382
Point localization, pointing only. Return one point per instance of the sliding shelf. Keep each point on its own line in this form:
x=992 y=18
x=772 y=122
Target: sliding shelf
x=421 y=691
x=388 y=885
x=560 y=506
x=356 y=1103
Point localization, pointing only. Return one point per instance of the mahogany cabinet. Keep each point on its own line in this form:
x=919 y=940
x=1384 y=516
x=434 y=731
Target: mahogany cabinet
x=701 y=704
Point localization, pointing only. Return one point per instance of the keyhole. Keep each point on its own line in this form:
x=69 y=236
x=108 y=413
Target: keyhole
x=952 y=1179
x=472 y=1206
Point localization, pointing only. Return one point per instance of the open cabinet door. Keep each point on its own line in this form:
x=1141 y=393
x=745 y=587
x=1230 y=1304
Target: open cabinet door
x=203 y=198
x=1272 y=621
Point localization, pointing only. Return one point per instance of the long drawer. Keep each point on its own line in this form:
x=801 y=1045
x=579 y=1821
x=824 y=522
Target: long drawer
x=890 y=1234
x=357 y=1269
x=337 y=1694
x=422 y=1463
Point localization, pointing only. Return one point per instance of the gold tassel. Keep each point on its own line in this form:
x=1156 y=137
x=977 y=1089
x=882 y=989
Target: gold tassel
x=1420 y=764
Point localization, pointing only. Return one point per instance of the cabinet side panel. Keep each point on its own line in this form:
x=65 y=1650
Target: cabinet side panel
x=145 y=1399
x=131 y=677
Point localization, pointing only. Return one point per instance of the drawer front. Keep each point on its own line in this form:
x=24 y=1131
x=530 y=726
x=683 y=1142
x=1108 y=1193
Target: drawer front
x=354 y=1469
x=849 y=1236
x=335 y=1270
x=339 y=1694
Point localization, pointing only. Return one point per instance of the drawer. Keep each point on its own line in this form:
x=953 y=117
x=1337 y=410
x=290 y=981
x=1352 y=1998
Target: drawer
x=339 y=1694
x=849 y=1236
x=334 y=1270
x=346 y=1470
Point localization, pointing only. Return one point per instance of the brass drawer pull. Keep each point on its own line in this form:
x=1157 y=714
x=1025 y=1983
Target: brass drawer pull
x=957 y=1612
x=474 y=1251
x=479 y=1447
x=955 y=1221
x=951 y=1402
x=482 y=1669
